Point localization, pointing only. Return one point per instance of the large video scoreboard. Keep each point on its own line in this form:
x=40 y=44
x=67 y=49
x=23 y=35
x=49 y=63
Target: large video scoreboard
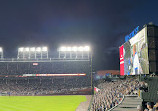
x=136 y=55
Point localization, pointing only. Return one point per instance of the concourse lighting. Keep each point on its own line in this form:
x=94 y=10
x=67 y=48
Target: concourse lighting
x=27 y=49
x=1 y=50
x=38 y=49
x=21 y=49
x=32 y=49
x=44 y=49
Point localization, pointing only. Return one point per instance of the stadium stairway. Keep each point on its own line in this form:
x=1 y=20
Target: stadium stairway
x=129 y=103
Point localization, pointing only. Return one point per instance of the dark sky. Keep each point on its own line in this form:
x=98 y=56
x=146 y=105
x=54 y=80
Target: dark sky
x=99 y=23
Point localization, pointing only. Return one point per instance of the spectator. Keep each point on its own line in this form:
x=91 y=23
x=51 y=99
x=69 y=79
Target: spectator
x=111 y=93
x=156 y=106
x=150 y=106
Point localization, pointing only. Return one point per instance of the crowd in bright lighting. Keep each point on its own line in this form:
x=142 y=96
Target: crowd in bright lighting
x=111 y=93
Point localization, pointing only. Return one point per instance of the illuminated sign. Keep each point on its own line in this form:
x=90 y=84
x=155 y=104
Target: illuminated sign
x=133 y=33
x=134 y=55
x=81 y=74
x=121 y=60
x=60 y=74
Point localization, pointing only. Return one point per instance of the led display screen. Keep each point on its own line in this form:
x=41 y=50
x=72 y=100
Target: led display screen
x=134 y=55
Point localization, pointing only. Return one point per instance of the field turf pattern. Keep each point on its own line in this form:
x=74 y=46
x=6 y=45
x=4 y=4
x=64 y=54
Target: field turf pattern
x=40 y=103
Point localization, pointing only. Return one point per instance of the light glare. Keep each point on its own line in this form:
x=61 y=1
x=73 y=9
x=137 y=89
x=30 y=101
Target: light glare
x=21 y=49
x=74 y=49
x=80 y=48
x=1 y=50
x=27 y=49
x=38 y=49
x=63 y=49
x=44 y=49
x=32 y=49
x=86 y=48
x=68 y=49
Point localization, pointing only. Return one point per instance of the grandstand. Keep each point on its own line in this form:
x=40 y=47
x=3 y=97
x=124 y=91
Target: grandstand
x=45 y=76
x=36 y=74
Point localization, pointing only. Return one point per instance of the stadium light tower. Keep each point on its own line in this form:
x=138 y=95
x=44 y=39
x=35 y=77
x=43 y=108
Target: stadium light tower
x=81 y=52
x=33 y=53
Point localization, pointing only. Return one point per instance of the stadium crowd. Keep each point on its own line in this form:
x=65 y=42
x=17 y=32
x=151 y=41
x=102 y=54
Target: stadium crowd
x=111 y=93
x=13 y=82
x=36 y=86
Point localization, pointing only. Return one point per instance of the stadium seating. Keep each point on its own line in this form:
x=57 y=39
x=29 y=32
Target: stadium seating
x=19 y=68
x=15 y=85
x=111 y=93
x=43 y=86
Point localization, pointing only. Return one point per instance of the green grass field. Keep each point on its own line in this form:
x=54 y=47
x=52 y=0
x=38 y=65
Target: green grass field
x=40 y=103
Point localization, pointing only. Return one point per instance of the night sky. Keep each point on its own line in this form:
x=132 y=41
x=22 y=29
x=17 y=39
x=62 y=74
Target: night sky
x=102 y=24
